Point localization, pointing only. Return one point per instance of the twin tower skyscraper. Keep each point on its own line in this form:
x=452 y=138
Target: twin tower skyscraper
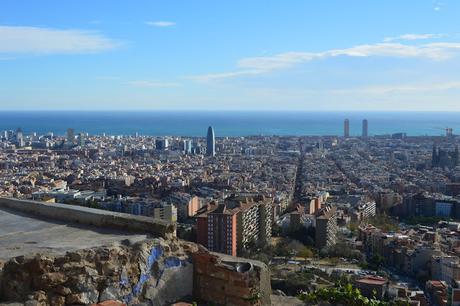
x=346 y=128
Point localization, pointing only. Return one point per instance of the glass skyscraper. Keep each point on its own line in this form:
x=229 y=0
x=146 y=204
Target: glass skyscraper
x=210 y=142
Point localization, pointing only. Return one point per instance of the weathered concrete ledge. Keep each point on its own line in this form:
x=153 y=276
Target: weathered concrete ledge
x=91 y=216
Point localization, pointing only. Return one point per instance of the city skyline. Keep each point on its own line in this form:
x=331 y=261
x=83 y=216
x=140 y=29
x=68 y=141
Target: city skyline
x=196 y=56
x=251 y=153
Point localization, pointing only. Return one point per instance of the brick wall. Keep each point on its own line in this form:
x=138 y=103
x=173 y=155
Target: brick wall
x=216 y=280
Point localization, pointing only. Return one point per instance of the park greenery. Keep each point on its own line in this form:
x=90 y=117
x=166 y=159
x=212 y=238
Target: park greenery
x=384 y=222
x=422 y=220
x=345 y=295
x=375 y=262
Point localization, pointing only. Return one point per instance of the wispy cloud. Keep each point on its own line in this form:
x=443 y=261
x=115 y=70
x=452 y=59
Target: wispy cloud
x=415 y=37
x=35 y=40
x=267 y=64
x=435 y=51
x=152 y=84
x=404 y=88
x=161 y=24
x=224 y=75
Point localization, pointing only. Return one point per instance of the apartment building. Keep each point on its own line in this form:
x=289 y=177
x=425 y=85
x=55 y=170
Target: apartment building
x=445 y=268
x=364 y=211
x=165 y=212
x=325 y=227
x=186 y=204
x=237 y=224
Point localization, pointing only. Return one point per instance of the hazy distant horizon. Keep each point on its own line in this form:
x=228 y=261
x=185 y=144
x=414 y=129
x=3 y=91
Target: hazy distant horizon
x=229 y=123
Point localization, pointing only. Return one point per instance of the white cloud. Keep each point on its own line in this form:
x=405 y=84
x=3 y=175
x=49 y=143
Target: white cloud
x=278 y=61
x=415 y=37
x=161 y=24
x=152 y=84
x=35 y=40
x=435 y=51
x=266 y=64
x=225 y=75
x=405 y=88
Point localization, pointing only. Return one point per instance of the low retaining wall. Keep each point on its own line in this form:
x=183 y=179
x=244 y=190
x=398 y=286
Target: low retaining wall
x=91 y=216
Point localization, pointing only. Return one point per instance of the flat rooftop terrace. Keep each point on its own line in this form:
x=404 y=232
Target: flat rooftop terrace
x=28 y=227
x=26 y=234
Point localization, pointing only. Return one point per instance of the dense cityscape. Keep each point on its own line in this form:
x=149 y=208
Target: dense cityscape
x=229 y=153
x=377 y=212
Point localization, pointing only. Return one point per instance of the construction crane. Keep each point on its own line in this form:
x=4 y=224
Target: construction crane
x=449 y=131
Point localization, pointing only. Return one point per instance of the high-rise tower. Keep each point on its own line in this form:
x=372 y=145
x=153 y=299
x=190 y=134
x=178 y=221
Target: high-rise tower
x=81 y=140
x=365 y=128
x=19 y=137
x=210 y=142
x=346 y=128
x=70 y=135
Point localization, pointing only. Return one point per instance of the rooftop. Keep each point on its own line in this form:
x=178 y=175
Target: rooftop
x=372 y=280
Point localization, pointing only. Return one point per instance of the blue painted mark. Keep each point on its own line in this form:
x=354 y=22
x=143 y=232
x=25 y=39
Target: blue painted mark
x=172 y=262
x=138 y=287
x=155 y=254
x=126 y=299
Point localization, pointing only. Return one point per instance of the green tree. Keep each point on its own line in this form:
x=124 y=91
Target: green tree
x=305 y=253
x=384 y=222
x=376 y=262
x=345 y=295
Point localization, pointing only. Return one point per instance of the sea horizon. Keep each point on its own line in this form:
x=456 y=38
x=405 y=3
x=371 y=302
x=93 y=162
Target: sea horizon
x=194 y=123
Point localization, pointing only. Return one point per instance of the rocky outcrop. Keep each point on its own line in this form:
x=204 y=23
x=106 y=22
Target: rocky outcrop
x=151 y=272
x=155 y=270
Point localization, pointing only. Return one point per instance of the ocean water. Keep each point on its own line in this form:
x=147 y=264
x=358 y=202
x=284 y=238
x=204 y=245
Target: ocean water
x=195 y=123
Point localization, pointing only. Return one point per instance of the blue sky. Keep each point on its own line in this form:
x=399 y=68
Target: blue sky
x=230 y=55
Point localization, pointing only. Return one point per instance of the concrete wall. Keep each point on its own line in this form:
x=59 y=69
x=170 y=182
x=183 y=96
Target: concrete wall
x=91 y=216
